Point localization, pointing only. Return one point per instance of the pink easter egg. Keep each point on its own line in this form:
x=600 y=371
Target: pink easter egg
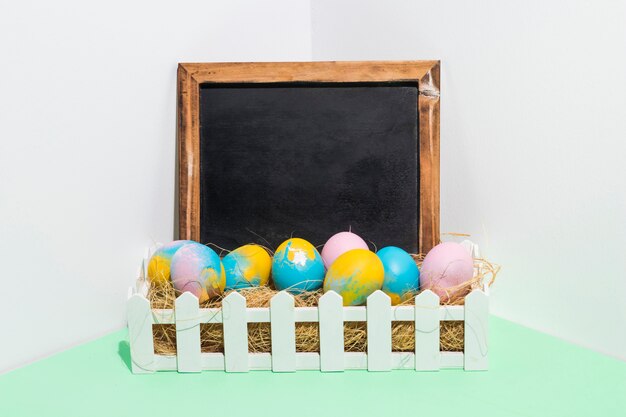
x=446 y=265
x=339 y=244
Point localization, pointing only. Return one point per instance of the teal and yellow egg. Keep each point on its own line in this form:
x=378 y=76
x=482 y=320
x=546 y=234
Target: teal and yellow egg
x=196 y=268
x=355 y=275
x=297 y=266
x=247 y=266
x=401 y=274
x=160 y=263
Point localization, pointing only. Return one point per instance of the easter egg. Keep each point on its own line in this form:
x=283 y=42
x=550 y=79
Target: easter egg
x=197 y=268
x=355 y=275
x=297 y=266
x=160 y=262
x=401 y=274
x=446 y=266
x=339 y=244
x=247 y=266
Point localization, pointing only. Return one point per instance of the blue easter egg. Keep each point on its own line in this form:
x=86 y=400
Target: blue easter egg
x=401 y=274
x=297 y=266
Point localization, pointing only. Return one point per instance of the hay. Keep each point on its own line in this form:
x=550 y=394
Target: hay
x=307 y=334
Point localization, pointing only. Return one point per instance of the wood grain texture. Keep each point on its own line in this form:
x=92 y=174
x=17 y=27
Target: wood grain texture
x=191 y=75
x=188 y=154
x=330 y=71
x=428 y=113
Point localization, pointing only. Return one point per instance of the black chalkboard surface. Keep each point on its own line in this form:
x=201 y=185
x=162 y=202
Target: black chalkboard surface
x=271 y=149
x=309 y=160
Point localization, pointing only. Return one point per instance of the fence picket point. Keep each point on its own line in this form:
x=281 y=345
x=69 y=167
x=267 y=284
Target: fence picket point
x=476 y=343
x=235 y=329
x=378 y=332
x=140 y=335
x=283 y=332
x=331 y=332
x=187 y=314
x=427 y=316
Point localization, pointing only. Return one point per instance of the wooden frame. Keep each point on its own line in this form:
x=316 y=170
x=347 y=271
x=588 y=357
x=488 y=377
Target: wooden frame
x=191 y=76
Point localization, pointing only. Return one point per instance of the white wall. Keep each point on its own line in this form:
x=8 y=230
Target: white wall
x=87 y=141
x=533 y=138
x=534 y=97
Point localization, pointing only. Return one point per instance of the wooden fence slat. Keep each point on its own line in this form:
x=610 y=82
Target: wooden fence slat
x=402 y=360
x=306 y=315
x=451 y=360
x=283 y=332
x=354 y=313
x=308 y=361
x=187 y=313
x=147 y=255
x=427 y=355
x=476 y=331
x=140 y=335
x=331 y=332
x=471 y=248
x=451 y=313
x=474 y=251
x=258 y=315
x=260 y=361
x=355 y=360
x=378 y=332
x=235 y=333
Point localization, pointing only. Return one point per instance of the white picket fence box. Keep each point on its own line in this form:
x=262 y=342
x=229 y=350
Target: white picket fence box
x=330 y=314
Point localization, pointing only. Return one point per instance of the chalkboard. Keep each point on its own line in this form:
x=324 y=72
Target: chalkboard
x=309 y=159
x=270 y=150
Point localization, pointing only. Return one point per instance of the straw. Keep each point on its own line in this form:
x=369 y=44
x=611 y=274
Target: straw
x=307 y=334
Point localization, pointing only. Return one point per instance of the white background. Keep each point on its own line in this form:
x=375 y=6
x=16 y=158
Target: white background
x=533 y=143
x=87 y=131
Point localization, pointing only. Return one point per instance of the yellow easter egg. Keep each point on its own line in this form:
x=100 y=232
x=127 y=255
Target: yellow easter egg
x=160 y=263
x=355 y=275
x=247 y=266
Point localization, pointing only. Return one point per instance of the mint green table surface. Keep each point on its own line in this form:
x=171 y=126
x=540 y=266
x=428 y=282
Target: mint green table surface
x=530 y=374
